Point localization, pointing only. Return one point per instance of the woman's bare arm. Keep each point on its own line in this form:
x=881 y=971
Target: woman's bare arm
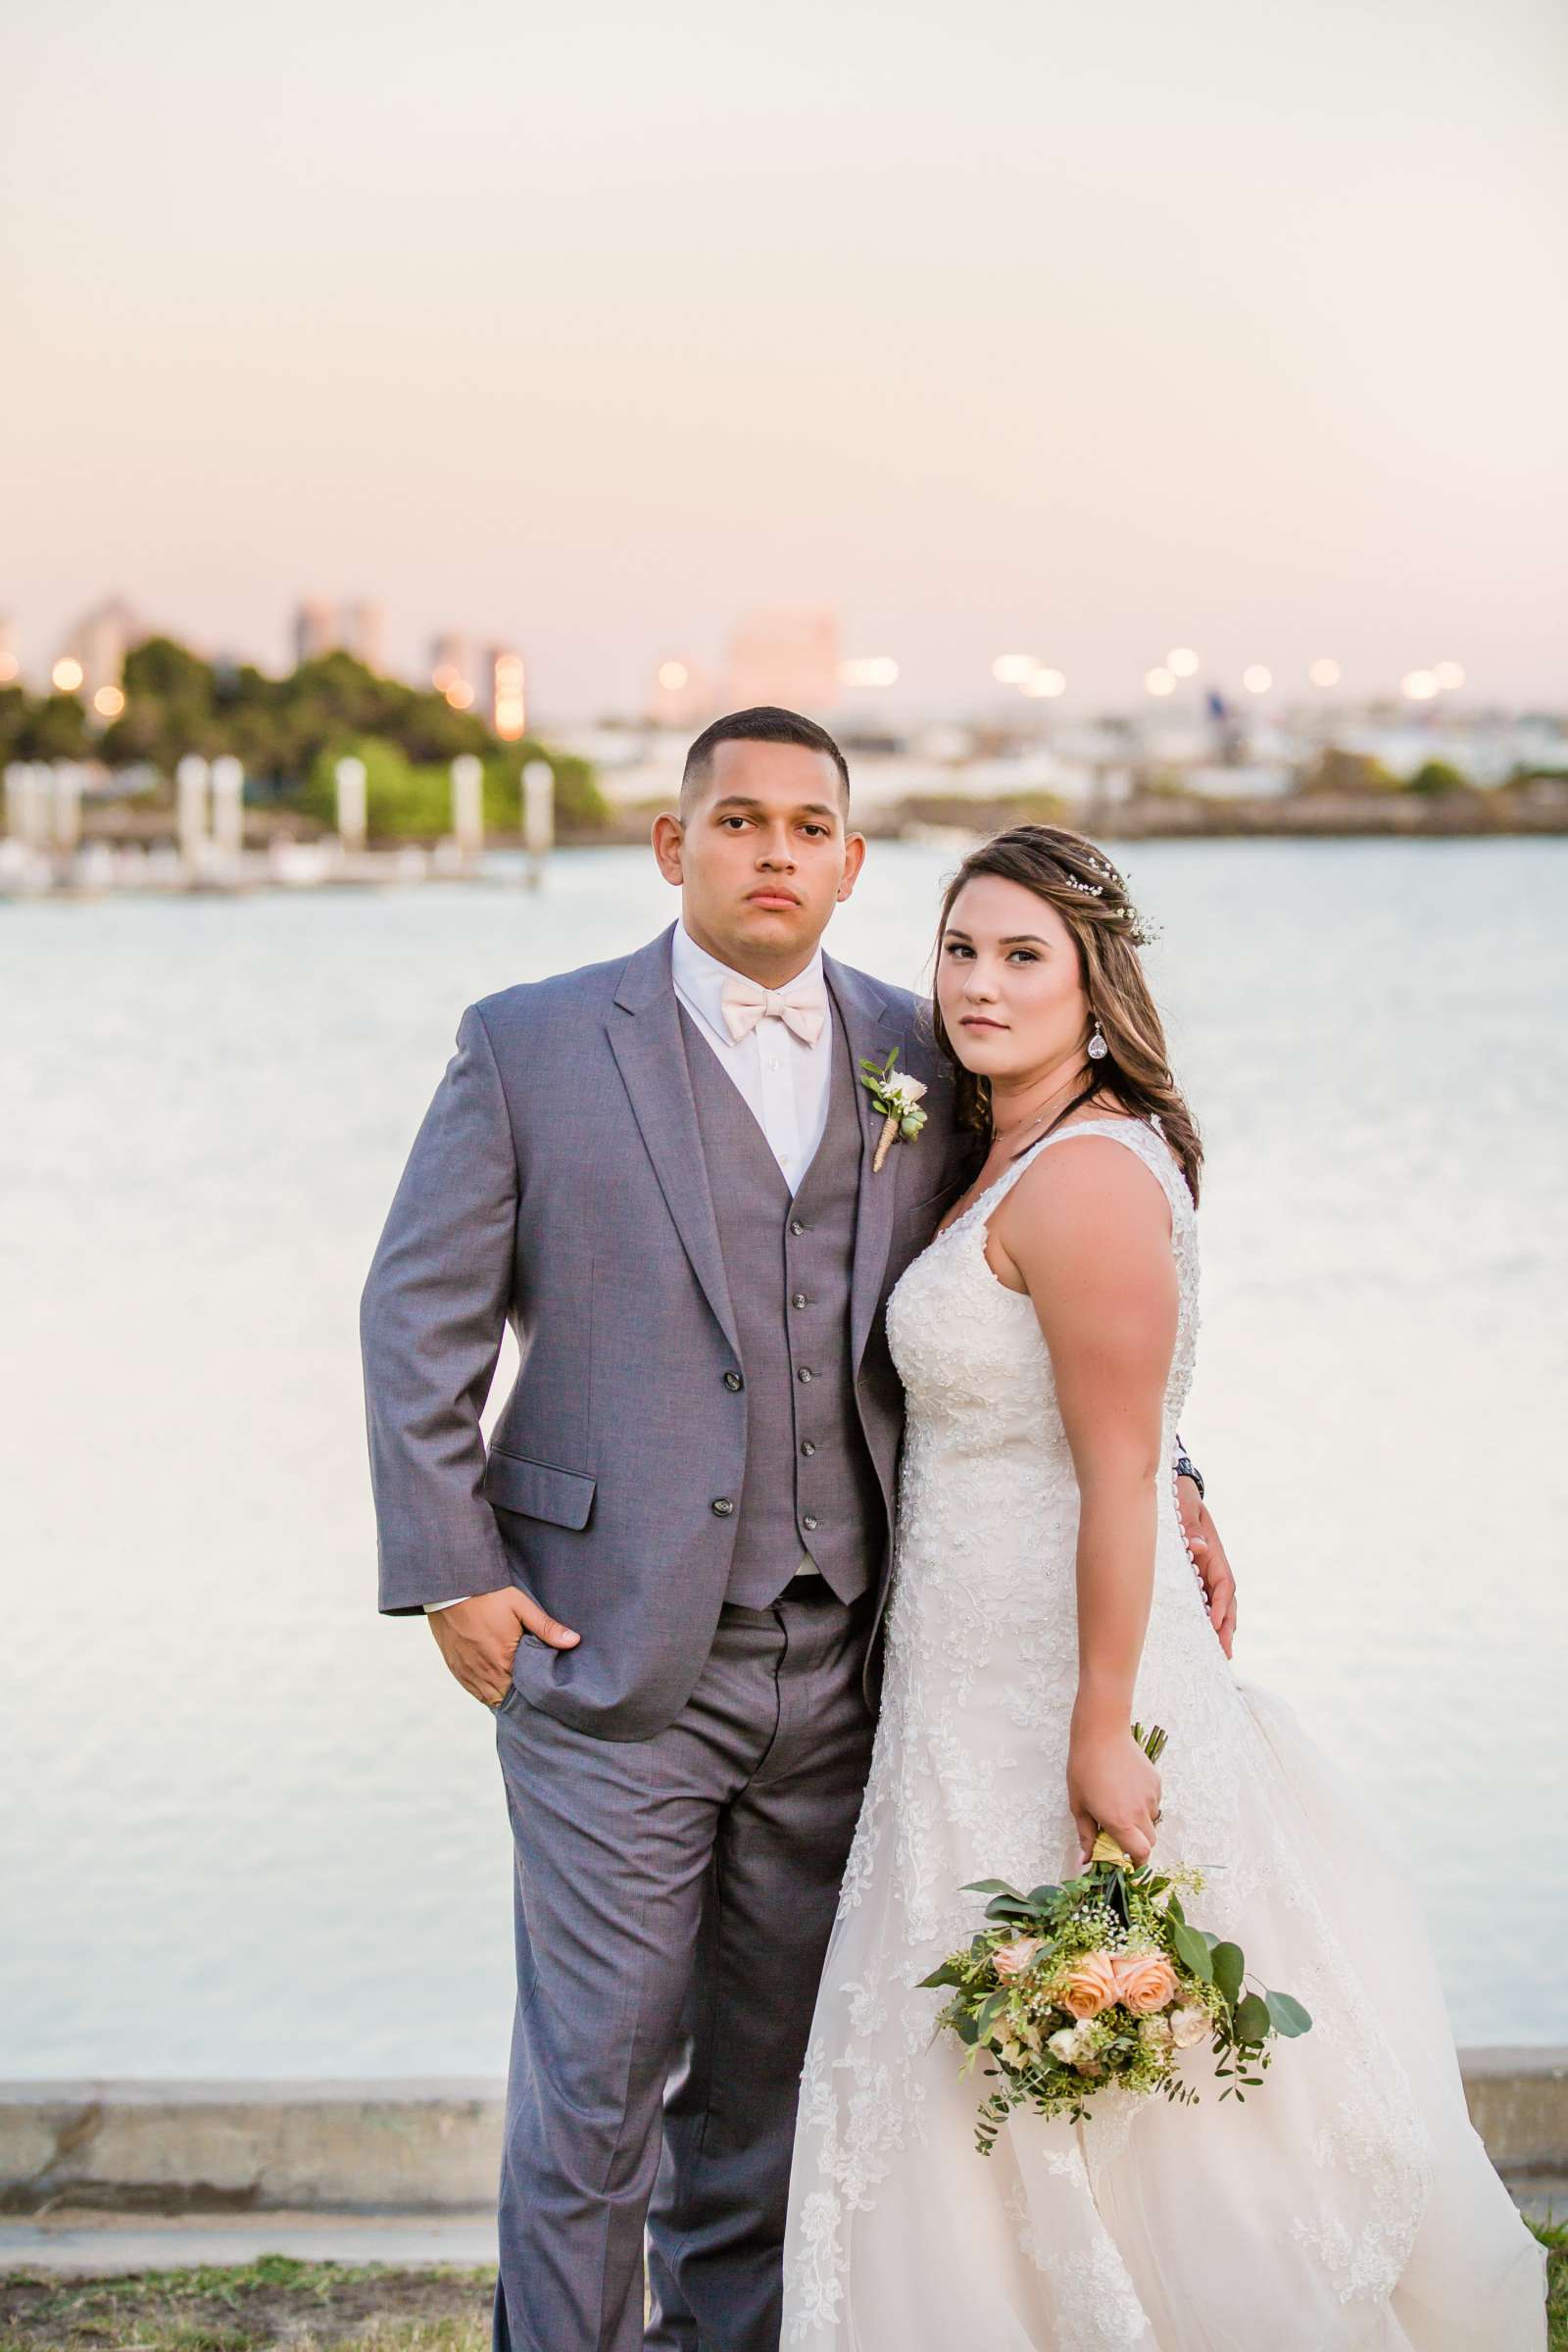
x=1086 y=1232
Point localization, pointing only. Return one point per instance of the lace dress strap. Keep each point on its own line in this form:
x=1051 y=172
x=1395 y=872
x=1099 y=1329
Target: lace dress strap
x=1140 y=1138
x=1135 y=1133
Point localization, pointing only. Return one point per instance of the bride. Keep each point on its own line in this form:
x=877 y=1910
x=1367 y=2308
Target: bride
x=1043 y=1599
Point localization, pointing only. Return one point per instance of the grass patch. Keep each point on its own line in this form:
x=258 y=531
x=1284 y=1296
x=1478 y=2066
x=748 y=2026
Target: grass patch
x=275 y=2304
x=1553 y=2236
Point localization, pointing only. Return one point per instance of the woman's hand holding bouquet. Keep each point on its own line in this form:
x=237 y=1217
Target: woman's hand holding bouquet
x=1111 y=1786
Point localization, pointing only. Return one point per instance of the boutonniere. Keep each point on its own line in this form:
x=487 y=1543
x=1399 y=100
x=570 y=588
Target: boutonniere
x=898 y=1098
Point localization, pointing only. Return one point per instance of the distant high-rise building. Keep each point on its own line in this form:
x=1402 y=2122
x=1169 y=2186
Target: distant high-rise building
x=787 y=655
x=99 y=643
x=506 y=693
x=314 y=629
x=682 y=695
x=10 y=651
x=454 y=671
x=364 y=632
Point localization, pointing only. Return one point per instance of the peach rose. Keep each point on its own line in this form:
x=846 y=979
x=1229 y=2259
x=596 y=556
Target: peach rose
x=1189 y=2027
x=1011 y=1959
x=1089 y=1985
x=1144 y=1982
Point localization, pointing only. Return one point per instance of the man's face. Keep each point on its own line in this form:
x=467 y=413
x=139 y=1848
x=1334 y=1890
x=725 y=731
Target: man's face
x=763 y=857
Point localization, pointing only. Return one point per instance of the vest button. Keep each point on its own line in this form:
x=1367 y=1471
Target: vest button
x=808 y=1444
x=805 y=1372
x=796 y=1226
x=808 y=1523
x=722 y=1508
x=798 y=1298
x=733 y=1380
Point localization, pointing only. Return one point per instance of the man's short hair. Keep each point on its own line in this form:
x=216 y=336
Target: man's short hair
x=764 y=724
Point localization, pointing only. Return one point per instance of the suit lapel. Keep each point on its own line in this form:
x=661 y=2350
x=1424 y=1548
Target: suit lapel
x=645 y=1037
x=872 y=1032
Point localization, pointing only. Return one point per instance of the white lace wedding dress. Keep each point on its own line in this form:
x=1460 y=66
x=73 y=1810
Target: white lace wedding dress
x=1347 y=2206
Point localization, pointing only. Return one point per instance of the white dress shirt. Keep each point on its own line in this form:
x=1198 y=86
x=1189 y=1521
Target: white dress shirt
x=784 y=1082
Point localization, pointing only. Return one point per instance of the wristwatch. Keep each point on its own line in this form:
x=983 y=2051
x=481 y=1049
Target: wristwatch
x=1186 y=1468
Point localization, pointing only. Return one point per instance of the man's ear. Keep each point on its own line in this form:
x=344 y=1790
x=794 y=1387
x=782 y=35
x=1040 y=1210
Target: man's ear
x=853 y=860
x=667 y=836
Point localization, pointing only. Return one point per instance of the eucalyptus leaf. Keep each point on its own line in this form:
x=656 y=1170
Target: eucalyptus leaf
x=1230 y=1966
x=991 y=1887
x=1251 y=2019
x=947 y=1973
x=1286 y=2016
x=1041 y=1897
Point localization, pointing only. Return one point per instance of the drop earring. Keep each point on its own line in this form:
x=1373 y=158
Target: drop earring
x=1097 y=1047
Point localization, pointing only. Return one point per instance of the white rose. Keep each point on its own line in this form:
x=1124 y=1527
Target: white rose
x=1064 y=2044
x=1189 y=2026
x=903 y=1092
x=1154 y=2031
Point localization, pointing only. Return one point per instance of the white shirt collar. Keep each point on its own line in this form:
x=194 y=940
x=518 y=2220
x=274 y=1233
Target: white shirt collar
x=700 y=979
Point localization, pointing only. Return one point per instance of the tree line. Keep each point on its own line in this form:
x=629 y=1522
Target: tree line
x=290 y=733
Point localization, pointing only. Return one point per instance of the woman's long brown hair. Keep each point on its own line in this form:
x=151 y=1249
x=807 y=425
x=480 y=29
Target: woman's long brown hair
x=1086 y=889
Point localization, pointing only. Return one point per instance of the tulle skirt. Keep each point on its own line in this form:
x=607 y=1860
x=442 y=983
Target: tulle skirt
x=1347 y=2206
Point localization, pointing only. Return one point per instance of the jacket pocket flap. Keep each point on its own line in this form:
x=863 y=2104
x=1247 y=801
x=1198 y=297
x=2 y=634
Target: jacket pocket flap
x=538 y=1491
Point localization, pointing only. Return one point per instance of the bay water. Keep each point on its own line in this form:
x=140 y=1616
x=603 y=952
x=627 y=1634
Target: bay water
x=251 y=1829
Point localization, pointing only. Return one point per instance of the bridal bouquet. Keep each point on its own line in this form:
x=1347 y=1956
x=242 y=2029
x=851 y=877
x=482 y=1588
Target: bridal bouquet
x=1100 y=1985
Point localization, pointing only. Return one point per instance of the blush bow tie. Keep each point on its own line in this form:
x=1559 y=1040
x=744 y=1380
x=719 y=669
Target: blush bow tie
x=745 y=1003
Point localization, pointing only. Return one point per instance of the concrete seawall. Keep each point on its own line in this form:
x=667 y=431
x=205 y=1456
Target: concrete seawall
x=434 y=2146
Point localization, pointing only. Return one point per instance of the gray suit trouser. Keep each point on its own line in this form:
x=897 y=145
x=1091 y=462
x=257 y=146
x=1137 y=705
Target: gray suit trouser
x=673 y=1900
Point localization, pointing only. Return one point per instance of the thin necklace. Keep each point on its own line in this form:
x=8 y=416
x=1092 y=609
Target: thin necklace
x=985 y=1192
x=1041 y=1115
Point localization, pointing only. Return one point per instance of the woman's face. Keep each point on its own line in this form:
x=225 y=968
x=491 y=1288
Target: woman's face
x=1008 y=984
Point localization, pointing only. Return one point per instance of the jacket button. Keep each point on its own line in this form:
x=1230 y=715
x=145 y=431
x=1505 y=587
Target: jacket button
x=796 y=1226
x=805 y=1372
x=808 y=1523
x=798 y=1298
x=808 y=1444
x=722 y=1508
x=733 y=1380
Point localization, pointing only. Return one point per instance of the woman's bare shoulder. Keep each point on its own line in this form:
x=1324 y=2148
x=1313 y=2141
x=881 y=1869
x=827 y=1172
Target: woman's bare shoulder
x=1087 y=1188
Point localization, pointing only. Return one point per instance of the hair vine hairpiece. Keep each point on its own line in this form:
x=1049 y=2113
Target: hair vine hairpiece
x=1142 y=933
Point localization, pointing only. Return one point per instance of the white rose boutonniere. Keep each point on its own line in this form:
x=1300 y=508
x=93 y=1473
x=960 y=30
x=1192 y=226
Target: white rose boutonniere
x=897 y=1096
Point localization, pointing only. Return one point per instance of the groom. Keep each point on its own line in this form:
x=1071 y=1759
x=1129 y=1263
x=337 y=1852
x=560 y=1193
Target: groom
x=666 y=1572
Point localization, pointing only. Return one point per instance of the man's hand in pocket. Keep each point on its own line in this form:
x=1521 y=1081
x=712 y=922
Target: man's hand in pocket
x=480 y=1636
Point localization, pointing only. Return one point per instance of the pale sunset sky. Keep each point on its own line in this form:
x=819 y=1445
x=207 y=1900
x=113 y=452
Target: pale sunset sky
x=1080 y=330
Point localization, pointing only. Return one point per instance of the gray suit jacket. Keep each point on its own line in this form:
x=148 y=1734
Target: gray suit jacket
x=558 y=1183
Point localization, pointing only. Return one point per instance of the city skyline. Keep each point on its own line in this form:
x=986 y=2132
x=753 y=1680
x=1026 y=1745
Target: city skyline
x=1042 y=332
x=790 y=655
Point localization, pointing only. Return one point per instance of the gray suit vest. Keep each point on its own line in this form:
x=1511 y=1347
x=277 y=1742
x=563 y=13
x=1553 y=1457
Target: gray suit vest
x=810 y=1486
